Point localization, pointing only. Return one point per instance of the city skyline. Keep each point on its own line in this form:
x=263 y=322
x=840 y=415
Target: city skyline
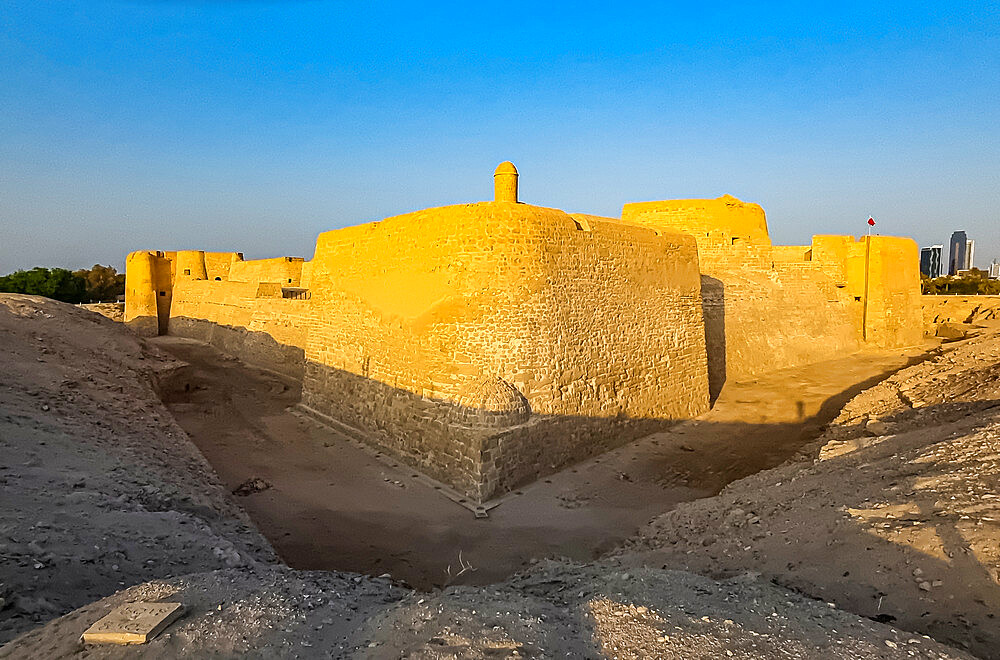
x=256 y=125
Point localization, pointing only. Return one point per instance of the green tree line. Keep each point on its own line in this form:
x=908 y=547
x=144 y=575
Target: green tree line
x=97 y=284
x=973 y=283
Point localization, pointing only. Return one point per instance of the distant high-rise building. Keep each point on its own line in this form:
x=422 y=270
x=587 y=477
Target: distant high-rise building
x=970 y=254
x=995 y=270
x=930 y=260
x=957 y=252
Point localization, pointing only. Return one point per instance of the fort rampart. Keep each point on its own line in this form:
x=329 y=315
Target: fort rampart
x=489 y=344
x=790 y=305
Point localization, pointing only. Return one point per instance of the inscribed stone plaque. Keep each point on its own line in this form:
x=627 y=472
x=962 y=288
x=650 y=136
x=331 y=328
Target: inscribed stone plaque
x=134 y=623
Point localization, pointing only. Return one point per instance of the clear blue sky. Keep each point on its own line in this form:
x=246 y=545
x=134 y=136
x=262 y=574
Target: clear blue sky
x=253 y=126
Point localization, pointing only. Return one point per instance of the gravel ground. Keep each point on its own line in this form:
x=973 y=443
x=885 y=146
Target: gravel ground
x=897 y=518
x=555 y=610
x=100 y=487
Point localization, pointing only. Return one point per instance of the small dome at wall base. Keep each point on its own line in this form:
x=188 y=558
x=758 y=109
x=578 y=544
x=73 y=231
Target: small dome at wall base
x=490 y=402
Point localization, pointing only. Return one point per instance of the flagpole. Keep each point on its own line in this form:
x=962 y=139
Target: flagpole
x=868 y=253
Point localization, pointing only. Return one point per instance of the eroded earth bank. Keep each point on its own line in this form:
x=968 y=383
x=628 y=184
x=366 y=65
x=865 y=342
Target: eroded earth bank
x=884 y=532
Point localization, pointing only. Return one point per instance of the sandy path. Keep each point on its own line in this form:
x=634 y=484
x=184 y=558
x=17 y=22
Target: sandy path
x=333 y=506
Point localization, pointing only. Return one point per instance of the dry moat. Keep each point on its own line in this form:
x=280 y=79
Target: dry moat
x=330 y=504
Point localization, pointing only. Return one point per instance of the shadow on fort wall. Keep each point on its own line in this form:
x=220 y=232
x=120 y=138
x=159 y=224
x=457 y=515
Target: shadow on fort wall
x=969 y=590
x=477 y=451
x=256 y=348
x=448 y=441
x=713 y=309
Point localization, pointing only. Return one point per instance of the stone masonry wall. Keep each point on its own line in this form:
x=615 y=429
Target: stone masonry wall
x=267 y=331
x=891 y=295
x=413 y=312
x=286 y=271
x=788 y=305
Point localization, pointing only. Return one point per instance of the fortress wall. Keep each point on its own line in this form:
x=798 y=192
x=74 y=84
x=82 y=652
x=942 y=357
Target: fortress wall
x=404 y=311
x=201 y=265
x=619 y=300
x=265 y=331
x=618 y=346
x=148 y=291
x=724 y=217
x=217 y=264
x=791 y=305
x=784 y=305
x=305 y=278
x=188 y=292
x=284 y=270
x=892 y=314
x=427 y=321
x=140 y=293
x=165 y=278
x=791 y=254
x=190 y=265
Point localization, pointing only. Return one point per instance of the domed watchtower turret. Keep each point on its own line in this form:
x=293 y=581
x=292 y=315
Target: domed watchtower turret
x=505 y=183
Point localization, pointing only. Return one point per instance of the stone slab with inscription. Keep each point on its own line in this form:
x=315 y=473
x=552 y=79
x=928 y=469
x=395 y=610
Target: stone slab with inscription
x=134 y=623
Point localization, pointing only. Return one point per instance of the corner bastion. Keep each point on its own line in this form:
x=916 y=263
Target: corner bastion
x=486 y=344
x=489 y=344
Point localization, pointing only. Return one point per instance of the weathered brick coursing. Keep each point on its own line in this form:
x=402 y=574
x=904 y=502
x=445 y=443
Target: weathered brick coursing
x=597 y=325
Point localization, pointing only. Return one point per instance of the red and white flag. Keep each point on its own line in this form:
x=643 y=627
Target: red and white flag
x=871 y=221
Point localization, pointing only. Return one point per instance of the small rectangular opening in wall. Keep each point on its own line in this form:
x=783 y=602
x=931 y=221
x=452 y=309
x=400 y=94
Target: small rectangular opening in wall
x=736 y=240
x=163 y=293
x=295 y=293
x=857 y=298
x=187 y=271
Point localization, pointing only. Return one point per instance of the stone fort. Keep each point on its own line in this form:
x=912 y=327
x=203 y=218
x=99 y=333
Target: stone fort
x=489 y=344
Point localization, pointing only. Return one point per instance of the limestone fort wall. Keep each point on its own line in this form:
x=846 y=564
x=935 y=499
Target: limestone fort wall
x=421 y=313
x=217 y=297
x=488 y=344
x=790 y=305
x=286 y=271
x=249 y=320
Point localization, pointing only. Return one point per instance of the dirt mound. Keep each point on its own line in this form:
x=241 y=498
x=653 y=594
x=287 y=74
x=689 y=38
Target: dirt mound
x=101 y=488
x=114 y=311
x=555 y=610
x=266 y=612
x=899 y=522
x=959 y=383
